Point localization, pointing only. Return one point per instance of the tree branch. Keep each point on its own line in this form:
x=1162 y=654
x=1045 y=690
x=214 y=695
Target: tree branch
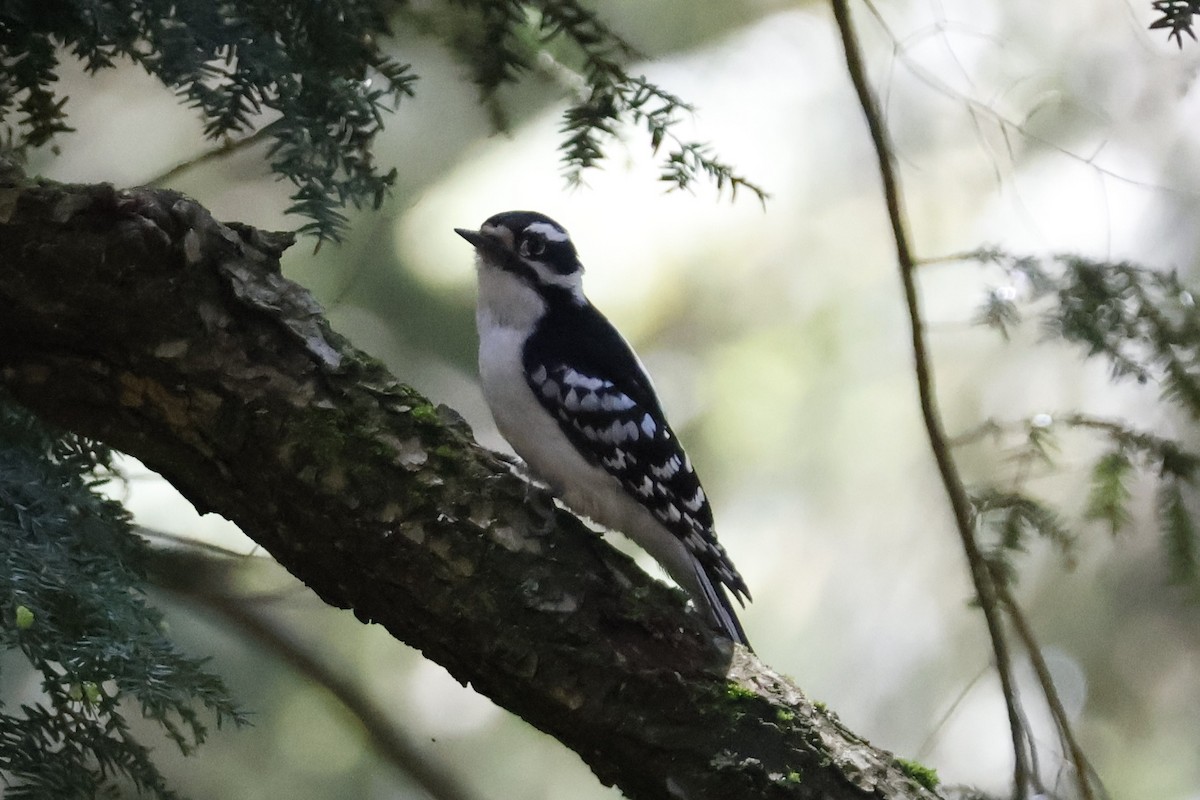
x=1084 y=774
x=133 y=317
x=203 y=580
x=227 y=147
x=960 y=502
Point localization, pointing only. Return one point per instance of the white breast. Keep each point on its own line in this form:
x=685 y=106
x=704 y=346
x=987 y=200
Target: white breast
x=526 y=424
x=506 y=313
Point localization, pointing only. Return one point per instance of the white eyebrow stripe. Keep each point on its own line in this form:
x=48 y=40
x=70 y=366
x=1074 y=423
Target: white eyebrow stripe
x=551 y=233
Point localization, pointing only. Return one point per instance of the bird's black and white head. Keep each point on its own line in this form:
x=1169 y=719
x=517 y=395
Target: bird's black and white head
x=524 y=257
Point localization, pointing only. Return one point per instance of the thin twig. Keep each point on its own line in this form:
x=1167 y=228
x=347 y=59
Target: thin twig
x=391 y=743
x=931 y=738
x=960 y=502
x=989 y=427
x=949 y=258
x=225 y=148
x=198 y=546
x=1003 y=123
x=1035 y=769
x=1083 y=769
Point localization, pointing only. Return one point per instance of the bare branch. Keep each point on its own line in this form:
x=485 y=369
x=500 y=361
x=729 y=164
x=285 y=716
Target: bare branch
x=960 y=502
x=228 y=147
x=198 y=574
x=1083 y=770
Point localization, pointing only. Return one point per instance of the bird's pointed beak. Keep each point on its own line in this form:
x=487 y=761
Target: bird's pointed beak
x=477 y=238
x=486 y=242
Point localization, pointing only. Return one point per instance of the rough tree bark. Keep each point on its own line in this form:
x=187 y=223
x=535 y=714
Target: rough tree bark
x=135 y=318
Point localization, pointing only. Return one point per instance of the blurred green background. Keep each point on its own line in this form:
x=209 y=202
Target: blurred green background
x=779 y=342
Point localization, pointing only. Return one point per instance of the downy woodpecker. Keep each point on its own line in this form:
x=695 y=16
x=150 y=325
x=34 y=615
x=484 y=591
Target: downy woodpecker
x=574 y=401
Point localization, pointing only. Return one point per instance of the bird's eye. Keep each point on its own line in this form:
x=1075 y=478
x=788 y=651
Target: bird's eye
x=532 y=246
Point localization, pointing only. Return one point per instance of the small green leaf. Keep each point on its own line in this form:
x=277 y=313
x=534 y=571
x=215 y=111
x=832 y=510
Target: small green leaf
x=1040 y=438
x=23 y=618
x=1013 y=517
x=998 y=311
x=1179 y=534
x=1109 y=496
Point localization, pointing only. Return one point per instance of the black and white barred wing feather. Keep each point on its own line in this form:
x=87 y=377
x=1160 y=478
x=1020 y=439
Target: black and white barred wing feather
x=621 y=427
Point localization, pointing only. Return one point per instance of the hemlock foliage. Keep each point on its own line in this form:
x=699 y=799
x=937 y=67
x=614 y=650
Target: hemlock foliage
x=311 y=74
x=315 y=79
x=1145 y=324
x=72 y=603
x=1176 y=17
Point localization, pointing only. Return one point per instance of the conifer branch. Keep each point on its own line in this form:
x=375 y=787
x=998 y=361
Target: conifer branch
x=315 y=69
x=1177 y=16
x=316 y=81
x=608 y=98
x=198 y=578
x=1084 y=774
x=960 y=501
x=73 y=600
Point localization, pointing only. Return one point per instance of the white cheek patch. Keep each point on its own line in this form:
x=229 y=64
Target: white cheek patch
x=550 y=232
x=572 y=281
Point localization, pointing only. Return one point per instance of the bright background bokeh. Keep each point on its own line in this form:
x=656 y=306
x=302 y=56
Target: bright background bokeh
x=779 y=342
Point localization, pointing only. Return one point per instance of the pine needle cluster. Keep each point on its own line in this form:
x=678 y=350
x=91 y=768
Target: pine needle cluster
x=1177 y=17
x=1145 y=325
x=311 y=73
x=72 y=603
x=314 y=78
x=513 y=35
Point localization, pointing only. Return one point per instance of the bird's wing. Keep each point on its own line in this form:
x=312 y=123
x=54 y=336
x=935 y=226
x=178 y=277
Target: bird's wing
x=606 y=406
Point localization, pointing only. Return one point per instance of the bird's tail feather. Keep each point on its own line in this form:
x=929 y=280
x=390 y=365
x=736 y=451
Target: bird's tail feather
x=720 y=610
